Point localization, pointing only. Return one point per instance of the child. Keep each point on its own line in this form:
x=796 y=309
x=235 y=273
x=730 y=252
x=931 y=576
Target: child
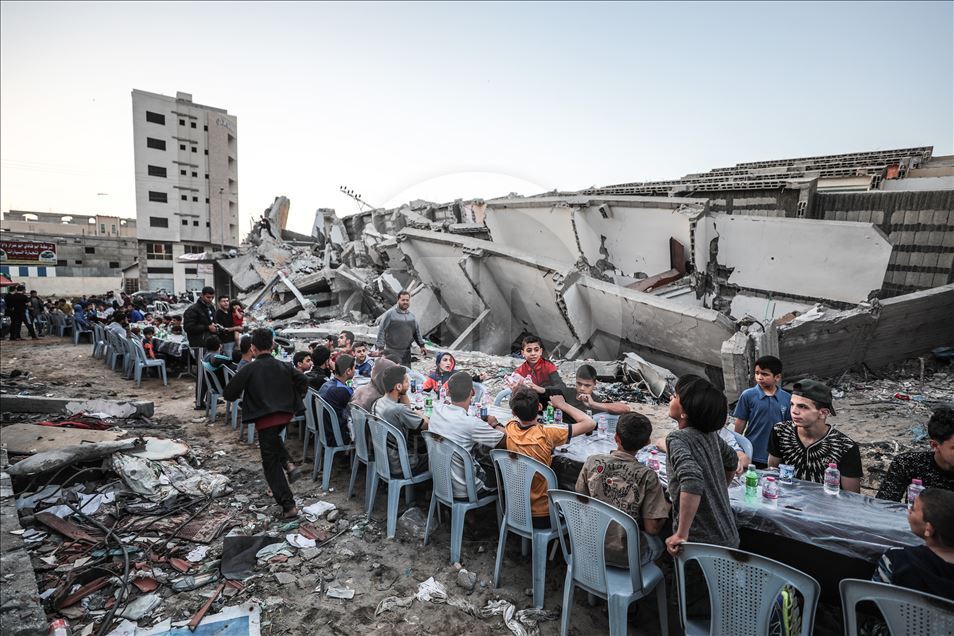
x=148 y=342
x=363 y=363
x=541 y=372
x=214 y=360
x=763 y=406
x=526 y=436
x=438 y=377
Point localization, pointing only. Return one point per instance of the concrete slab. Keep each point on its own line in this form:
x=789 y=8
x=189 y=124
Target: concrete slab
x=37 y=404
x=29 y=439
x=21 y=613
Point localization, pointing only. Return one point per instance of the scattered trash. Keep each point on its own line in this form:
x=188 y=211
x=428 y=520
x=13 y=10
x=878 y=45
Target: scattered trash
x=393 y=602
x=315 y=511
x=141 y=607
x=299 y=541
x=198 y=553
x=340 y=592
x=431 y=590
x=412 y=522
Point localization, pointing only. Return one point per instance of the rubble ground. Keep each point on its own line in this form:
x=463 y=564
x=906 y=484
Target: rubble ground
x=296 y=592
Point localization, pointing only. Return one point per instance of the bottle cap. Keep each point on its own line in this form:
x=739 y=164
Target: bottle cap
x=832 y=465
x=770 y=479
x=916 y=481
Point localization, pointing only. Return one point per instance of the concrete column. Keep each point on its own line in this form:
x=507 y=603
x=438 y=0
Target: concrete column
x=738 y=360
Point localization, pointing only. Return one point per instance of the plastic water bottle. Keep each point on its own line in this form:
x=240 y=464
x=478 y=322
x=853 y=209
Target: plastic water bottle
x=832 y=479
x=428 y=406
x=751 y=482
x=654 y=460
x=601 y=426
x=557 y=416
x=443 y=394
x=549 y=413
x=770 y=488
x=913 y=491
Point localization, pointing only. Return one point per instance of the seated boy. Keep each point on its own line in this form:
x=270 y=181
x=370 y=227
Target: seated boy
x=363 y=363
x=621 y=481
x=541 y=372
x=214 y=360
x=582 y=396
x=528 y=437
x=148 y=342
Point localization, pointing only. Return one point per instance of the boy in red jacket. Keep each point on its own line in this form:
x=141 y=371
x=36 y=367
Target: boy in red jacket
x=542 y=372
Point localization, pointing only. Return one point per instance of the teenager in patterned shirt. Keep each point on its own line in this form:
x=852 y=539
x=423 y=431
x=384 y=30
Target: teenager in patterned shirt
x=935 y=468
x=809 y=443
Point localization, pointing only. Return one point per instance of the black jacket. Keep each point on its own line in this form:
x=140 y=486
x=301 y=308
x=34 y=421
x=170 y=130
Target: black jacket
x=196 y=321
x=270 y=386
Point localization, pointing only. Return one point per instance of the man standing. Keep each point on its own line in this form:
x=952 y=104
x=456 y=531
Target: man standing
x=17 y=305
x=36 y=309
x=198 y=323
x=809 y=443
x=399 y=329
x=223 y=318
x=273 y=393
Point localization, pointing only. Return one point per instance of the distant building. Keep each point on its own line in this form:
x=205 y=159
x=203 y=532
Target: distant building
x=186 y=159
x=67 y=254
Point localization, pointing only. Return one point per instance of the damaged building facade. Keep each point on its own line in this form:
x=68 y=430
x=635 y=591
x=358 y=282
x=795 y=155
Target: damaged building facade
x=828 y=261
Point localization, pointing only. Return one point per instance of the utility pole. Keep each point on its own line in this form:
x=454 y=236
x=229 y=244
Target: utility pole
x=348 y=192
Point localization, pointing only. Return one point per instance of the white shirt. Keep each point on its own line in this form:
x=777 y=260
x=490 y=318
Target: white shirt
x=453 y=423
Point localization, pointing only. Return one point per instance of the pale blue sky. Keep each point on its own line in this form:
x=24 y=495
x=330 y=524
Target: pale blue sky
x=441 y=101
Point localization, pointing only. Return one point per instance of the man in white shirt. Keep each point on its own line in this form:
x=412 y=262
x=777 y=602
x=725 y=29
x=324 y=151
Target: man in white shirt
x=452 y=422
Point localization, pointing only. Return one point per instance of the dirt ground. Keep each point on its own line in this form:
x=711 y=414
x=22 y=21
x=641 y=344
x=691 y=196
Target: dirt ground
x=361 y=558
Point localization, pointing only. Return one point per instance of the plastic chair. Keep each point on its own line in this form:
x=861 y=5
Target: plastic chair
x=141 y=362
x=479 y=390
x=213 y=391
x=79 y=332
x=380 y=431
x=99 y=341
x=442 y=455
x=129 y=356
x=744 y=442
x=586 y=520
x=417 y=376
x=330 y=449
x=114 y=349
x=232 y=408
x=362 y=454
x=503 y=395
x=743 y=588
x=905 y=611
x=515 y=473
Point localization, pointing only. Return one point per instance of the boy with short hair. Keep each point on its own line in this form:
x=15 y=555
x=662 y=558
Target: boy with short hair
x=621 y=481
x=541 y=372
x=582 y=396
x=148 y=343
x=363 y=364
x=302 y=361
x=337 y=394
x=762 y=406
x=528 y=437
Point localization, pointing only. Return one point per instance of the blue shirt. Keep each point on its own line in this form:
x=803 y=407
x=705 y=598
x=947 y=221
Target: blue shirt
x=762 y=412
x=337 y=394
x=364 y=368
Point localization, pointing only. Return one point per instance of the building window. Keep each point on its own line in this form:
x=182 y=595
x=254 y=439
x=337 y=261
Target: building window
x=158 y=144
x=159 y=251
x=195 y=223
x=89 y=250
x=206 y=199
x=158 y=221
x=195 y=199
x=181 y=146
x=206 y=224
x=185 y=198
x=114 y=228
x=77 y=262
x=102 y=228
x=158 y=197
x=206 y=151
x=194 y=149
x=185 y=221
x=182 y=172
x=155 y=118
x=158 y=270
x=156 y=171
x=182 y=122
x=192 y=271
x=61 y=263
x=195 y=174
x=205 y=128
x=193 y=124
x=193 y=249
x=113 y=265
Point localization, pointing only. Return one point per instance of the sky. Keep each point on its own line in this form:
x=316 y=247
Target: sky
x=438 y=101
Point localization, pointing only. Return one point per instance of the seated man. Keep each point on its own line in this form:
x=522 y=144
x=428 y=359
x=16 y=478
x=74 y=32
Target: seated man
x=621 y=481
x=525 y=435
x=929 y=567
x=582 y=397
x=809 y=443
x=302 y=361
x=935 y=468
x=403 y=417
x=337 y=394
x=79 y=318
x=363 y=364
x=452 y=422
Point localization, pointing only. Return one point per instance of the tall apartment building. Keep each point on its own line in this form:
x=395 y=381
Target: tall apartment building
x=186 y=157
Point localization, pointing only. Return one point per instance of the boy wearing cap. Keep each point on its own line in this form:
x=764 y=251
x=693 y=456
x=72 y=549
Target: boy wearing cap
x=809 y=443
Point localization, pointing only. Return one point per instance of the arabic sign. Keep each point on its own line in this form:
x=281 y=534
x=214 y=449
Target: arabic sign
x=27 y=253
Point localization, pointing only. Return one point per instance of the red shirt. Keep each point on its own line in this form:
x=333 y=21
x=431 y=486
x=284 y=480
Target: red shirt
x=279 y=418
x=540 y=373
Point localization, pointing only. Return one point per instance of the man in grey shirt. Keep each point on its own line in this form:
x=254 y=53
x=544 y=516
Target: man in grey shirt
x=398 y=330
x=400 y=415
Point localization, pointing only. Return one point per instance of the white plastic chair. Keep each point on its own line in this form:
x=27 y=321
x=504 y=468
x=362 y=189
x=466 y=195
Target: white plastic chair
x=213 y=391
x=141 y=362
x=362 y=453
x=79 y=332
x=115 y=351
x=503 y=395
x=442 y=454
x=515 y=473
x=743 y=588
x=744 y=442
x=99 y=340
x=907 y=612
x=232 y=408
x=587 y=520
x=380 y=431
x=330 y=448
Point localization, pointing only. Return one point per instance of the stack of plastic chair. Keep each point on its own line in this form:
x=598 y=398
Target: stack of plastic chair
x=141 y=363
x=515 y=473
x=213 y=391
x=79 y=332
x=904 y=610
x=331 y=447
x=743 y=588
x=380 y=432
x=232 y=408
x=442 y=454
x=99 y=340
x=586 y=521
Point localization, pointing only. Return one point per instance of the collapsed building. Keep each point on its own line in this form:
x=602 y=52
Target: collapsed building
x=830 y=262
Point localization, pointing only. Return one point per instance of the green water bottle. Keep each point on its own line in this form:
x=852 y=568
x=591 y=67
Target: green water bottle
x=751 y=482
